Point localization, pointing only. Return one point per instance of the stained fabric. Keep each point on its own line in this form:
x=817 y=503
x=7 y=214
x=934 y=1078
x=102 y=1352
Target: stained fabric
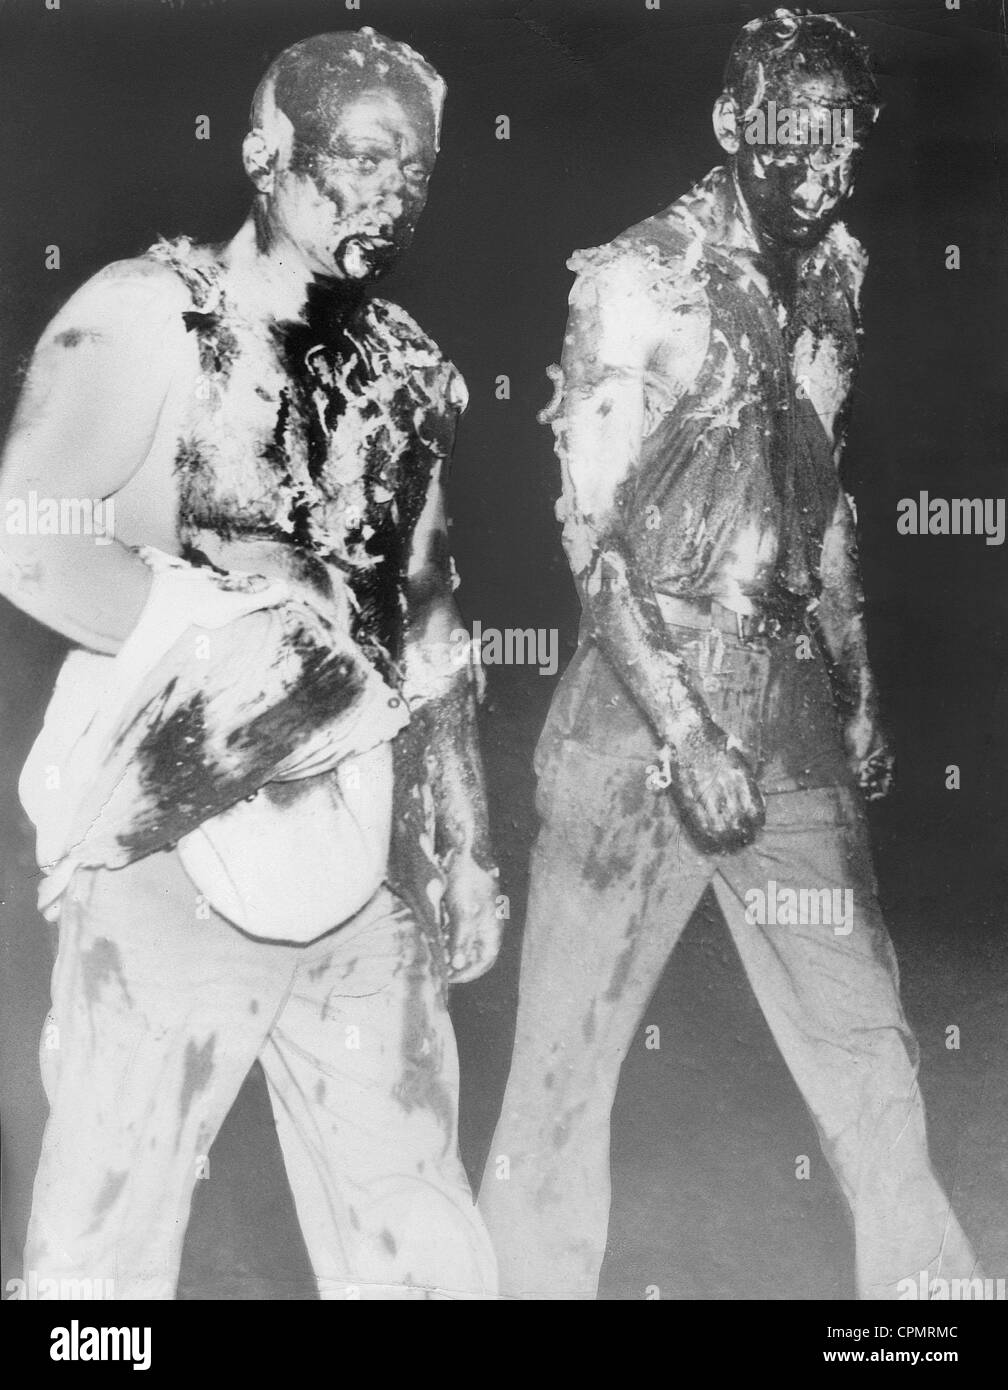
x=615 y=879
x=322 y=435
x=718 y=480
x=738 y=465
x=228 y=686
x=160 y=1007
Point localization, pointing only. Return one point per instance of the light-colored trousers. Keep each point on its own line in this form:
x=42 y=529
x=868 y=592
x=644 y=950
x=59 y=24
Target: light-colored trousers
x=160 y=1007
x=614 y=881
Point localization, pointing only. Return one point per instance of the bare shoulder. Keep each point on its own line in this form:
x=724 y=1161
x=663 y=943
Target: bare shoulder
x=113 y=345
x=125 y=301
x=99 y=378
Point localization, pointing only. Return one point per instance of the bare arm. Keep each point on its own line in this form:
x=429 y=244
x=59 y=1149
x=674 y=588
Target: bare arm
x=840 y=628
x=616 y=331
x=84 y=423
x=611 y=334
x=444 y=725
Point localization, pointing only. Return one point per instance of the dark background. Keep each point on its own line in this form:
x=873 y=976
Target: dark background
x=609 y=107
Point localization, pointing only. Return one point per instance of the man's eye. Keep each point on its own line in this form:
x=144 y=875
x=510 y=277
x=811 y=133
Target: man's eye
x=364 y=163
x=416 y=173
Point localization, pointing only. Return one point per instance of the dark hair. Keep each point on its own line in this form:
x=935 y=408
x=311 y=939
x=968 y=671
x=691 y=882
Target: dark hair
x=770 y=49
x=311 y=78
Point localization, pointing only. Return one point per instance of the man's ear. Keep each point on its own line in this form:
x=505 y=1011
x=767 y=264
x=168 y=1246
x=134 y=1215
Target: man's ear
x=259 y=158
x=726 y=123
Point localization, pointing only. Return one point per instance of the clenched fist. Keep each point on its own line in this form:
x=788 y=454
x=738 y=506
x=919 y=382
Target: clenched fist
x=869 y=754
x=716 y=792
x=474 y=929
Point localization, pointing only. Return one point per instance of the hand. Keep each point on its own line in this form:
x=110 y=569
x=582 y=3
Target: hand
x=869 y=754
x=718 y=797
x=474 y=929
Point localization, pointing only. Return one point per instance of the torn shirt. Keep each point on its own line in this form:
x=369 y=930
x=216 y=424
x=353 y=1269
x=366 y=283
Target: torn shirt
x=229 y=689
x=314 y=445
x=727 y=410
x=321 y=435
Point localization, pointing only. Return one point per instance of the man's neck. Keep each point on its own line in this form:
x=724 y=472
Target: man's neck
x=270 y=284
x=780 y=262
x=780 y=265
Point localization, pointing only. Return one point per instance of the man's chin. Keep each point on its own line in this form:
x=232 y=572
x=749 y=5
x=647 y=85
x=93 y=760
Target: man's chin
x=798 y=234
x=362 y=259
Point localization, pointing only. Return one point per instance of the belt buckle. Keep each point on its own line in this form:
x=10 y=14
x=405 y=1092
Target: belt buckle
x=751 y=626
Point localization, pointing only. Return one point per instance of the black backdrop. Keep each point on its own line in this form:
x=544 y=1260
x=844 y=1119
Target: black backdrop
x=609 y=120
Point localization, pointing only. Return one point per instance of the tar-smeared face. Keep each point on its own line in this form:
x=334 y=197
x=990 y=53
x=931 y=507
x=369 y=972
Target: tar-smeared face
x=795 y=190
x=350 y=204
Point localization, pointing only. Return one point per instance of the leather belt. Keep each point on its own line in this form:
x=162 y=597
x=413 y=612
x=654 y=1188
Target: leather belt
x=767 y=620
